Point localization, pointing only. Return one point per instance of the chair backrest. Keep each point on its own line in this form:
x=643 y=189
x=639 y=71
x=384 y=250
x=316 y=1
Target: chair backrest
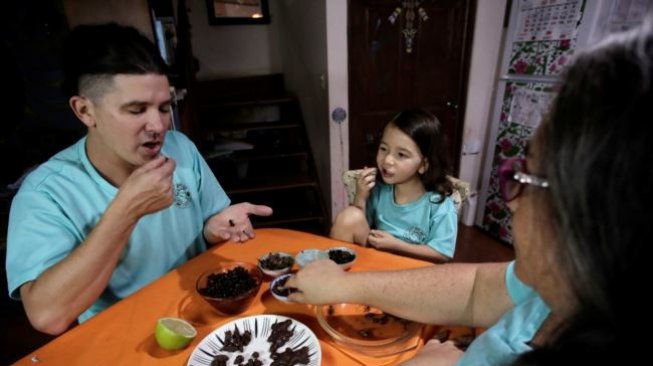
x=460 y=193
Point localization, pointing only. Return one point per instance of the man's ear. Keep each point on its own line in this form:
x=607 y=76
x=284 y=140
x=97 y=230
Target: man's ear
x=83 y=109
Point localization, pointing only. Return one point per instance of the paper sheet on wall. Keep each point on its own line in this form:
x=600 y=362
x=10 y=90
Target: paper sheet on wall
x=626 y=14
x=547 y=20
x=528 y=107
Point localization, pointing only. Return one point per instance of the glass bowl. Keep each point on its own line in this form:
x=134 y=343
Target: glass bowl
x=343 y=256
x=230 y=288
x=307 y=256
x=275 y=264
x=368 y=330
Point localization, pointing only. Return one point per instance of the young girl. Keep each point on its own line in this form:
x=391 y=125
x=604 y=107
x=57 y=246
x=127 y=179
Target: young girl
x=409 y=210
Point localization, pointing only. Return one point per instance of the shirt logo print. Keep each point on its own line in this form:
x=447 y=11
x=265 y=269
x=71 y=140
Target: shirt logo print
x=416 y=235
x=182 y=195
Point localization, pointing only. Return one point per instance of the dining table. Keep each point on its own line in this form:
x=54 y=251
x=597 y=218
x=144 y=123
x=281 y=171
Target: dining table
x=123 y=334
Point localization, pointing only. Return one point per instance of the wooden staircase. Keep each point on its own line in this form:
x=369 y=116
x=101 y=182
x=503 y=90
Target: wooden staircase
x=252 y=134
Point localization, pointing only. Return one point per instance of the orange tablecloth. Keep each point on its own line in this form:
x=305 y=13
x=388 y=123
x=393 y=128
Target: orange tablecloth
x=123 y=334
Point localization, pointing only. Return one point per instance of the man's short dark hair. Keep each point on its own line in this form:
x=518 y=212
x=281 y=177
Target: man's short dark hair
x=101 y=50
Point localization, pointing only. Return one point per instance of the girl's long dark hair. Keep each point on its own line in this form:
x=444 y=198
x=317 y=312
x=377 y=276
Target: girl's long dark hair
x=425 y=129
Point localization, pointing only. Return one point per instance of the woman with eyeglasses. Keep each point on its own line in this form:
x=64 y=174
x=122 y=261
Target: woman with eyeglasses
x=582 y=208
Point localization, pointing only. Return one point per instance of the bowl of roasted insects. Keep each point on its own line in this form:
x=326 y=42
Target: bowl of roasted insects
x=275 y=264
x=343 y=256
x=231 y=287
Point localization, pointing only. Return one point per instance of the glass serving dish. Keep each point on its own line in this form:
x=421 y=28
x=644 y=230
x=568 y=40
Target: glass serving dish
x=368 y=330
x=307 y=256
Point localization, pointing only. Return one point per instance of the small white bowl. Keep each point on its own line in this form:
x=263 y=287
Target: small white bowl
x=278 y=282
x=349 y=251
x=307 y=256
x=279 y=271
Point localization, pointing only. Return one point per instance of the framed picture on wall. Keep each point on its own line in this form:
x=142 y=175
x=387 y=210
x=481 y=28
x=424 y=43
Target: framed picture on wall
x=232 y=12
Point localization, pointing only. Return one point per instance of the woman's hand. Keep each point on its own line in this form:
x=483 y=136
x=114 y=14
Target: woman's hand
x=233 y=223
x=364 y=184
x=436 y=353
x=321 y=282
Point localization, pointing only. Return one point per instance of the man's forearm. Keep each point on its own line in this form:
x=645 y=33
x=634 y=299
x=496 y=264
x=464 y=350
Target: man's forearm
x=59 y=295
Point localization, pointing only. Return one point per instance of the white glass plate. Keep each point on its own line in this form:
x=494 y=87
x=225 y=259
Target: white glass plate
x=260 y=327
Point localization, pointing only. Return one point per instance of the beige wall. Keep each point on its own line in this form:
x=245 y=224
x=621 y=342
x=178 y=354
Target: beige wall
x=128 y=12
x=483 y=74
x=301 y=26
x=232 y=50
x=338 y=77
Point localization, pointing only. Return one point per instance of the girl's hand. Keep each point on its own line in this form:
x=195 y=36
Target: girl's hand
x=380 y=239
x=364 y=184
x=435 y=353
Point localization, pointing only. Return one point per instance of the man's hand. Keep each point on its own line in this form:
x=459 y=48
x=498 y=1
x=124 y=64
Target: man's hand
x=148 y=189
x=233 y=223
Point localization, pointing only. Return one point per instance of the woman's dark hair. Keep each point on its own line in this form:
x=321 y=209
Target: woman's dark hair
x=596 y=154
x=582 y=345
x=101 y=50
x=425 y=129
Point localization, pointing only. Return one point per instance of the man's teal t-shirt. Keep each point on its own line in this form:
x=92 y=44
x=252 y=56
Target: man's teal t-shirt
x=424 y=221
x=502 y=343
x=60 y=203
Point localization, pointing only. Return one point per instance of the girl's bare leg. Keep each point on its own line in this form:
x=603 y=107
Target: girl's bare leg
x=351 y=226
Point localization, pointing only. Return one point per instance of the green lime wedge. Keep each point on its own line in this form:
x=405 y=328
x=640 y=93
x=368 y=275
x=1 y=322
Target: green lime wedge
x=174 y=333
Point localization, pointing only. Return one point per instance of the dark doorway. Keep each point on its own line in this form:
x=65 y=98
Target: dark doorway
x=384 y=77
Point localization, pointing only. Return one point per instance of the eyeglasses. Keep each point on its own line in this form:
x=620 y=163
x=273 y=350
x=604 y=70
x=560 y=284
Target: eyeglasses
x=513 y=174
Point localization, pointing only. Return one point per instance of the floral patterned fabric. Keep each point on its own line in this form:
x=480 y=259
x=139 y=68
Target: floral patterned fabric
x=523 y=107
x=511 y=142
x=540 y=57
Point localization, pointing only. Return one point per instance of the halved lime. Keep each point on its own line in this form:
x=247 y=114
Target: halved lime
x=174 y=333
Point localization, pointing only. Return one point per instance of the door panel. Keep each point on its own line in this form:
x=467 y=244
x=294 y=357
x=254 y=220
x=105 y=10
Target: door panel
x=384 y=78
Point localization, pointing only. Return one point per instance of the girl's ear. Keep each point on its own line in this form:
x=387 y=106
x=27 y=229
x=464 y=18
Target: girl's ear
x=83 y=109
x=425 y=165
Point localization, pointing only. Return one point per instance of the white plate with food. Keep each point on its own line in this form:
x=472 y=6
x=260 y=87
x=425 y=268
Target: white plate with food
x=263 y=338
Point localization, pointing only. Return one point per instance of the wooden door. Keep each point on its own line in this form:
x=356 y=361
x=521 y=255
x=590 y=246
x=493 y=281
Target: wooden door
x=385 y=78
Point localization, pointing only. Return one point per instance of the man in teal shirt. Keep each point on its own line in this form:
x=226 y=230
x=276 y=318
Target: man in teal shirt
x=124 y=205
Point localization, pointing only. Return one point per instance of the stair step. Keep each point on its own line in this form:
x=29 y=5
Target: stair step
x=271 y=162
x=239 y=103
x=272 y=184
